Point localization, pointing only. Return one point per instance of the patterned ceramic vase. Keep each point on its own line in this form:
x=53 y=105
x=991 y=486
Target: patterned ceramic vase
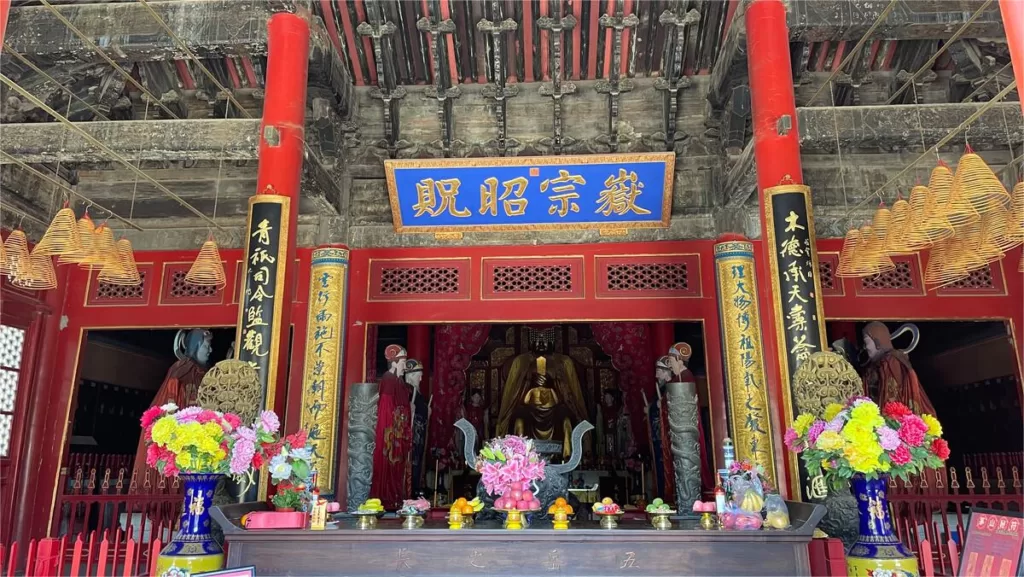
x=877 y=551
x=192 y=549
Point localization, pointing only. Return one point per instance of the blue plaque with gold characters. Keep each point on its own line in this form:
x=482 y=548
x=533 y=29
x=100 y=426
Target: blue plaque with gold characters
x=610 y=191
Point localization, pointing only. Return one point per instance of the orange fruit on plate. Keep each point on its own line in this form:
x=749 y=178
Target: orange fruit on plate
x=467 y=509
x=560 y=501
x=461 y=501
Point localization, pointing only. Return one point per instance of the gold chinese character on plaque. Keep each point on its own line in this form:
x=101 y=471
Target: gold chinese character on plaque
x=620 y=194
x=428 y=191
x=489 y=197
x=563 y=192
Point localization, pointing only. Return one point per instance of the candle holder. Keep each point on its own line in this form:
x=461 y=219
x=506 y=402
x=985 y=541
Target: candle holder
x=660 y=520
x=609 y=520
x=366 y=521
x=412 y=521
x=707 y=521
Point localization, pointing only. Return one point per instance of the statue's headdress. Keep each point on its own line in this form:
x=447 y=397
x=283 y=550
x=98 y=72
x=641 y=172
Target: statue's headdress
x=395 y=352
x=537 y=335
x=413 y=366
x=681 y=351
x=663 y=363
x=187 y=342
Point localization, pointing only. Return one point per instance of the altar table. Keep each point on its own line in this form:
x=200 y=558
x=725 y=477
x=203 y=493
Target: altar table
x=633 y=549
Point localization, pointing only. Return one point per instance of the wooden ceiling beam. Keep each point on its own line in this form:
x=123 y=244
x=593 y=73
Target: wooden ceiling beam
x=129 y=33
x=826 y=20
x=229 y=139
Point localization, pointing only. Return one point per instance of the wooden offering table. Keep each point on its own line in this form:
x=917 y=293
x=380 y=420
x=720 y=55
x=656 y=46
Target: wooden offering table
x=634 y=549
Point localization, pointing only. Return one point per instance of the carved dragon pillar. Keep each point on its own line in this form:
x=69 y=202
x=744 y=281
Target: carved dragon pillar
x=682 y=424
x=362 y=428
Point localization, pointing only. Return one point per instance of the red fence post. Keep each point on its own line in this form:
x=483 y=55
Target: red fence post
x=48 y=554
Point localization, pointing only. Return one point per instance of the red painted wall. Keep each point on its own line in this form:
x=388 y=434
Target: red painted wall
x=368 y=305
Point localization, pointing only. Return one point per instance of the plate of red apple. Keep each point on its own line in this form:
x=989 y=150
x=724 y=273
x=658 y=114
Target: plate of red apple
x=518 y=497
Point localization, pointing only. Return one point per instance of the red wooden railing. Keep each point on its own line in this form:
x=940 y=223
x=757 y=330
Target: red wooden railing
x=102 y=494
x=928 y=558
x=114 y=555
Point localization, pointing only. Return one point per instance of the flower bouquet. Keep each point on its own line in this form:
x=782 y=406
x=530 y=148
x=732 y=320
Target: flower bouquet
x=859 y=438
x=861 y=444
x=508 y=467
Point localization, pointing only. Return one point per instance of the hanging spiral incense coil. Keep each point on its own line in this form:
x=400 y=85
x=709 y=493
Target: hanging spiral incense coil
x=978 y=184
x=848 y=254
x=968 y=249
x=61 y=237
x=950 y=198
x=16 y=252
x=996 y=225
x=929 y=217
x=106 y=251
x=870 y=258
x=124 y=272
x=1015 y=218
x=207 y=270
x=880 y=224
x=86 y=253
x=899 y=229
x=37 y=273
x=941 y=269
x=990 y=233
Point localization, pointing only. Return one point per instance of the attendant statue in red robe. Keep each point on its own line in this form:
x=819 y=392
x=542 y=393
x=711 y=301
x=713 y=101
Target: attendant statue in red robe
x=888 y=375
x=392 y=472
x=180 y=386
x=678 y=356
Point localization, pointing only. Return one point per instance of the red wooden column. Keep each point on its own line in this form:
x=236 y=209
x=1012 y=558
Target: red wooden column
x=268 y=283
x=787 y=223
x=36 y=464
x=5 y=11
x=663 y=336
x=1013 y=24
x=419 y=338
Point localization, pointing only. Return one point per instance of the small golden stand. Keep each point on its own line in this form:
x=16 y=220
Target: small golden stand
x=366 y=521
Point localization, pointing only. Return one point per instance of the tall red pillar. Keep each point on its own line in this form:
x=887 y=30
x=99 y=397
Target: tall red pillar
x=1013 y=24
x=264 y=323
x=788 y=247
x=772 y=99
x=418 y=345
x=5 y=11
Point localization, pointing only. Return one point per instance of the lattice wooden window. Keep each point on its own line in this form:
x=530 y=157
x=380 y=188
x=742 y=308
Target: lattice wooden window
x=424 y=279
x=827 y=274
x=532 y=278
x=627 y=276
x=670 y=276
x=107 y=293
x=987 y=279
x=12 y=342
x=905 y=278
x=554 y=278
x=419 y=280
x=176 y=290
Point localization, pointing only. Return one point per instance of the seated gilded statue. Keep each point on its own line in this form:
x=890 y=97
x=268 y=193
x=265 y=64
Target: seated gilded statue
x=542 y=398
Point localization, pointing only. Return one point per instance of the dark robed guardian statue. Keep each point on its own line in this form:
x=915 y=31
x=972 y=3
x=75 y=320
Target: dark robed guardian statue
x=392 y=470
x=888 y=375
x=180 y=386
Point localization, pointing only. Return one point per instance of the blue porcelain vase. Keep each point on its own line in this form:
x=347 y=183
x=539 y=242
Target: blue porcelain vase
x=192 y=549
x=877 y=551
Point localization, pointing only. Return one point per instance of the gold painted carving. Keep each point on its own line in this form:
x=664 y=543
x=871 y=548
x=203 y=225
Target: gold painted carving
x=232 y=386
x=743 y=356
x=325 y=336
x=824 y=378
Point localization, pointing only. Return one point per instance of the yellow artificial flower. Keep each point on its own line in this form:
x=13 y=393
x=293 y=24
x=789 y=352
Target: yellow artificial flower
x=832 y=410
x=213 y=429
x=829 y=441
x=184 y=461
x=868 y=414
x=802 y=423
x=825 y=464
x=934 y=427
x=862 y=461
x=163 y=429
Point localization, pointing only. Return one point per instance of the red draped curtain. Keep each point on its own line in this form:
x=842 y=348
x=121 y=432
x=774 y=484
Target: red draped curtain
x=629 y=346
x=454 y=347
x=371 y=354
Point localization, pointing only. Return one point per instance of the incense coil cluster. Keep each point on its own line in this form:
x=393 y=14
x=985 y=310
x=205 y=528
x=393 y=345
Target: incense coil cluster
x=966 y=220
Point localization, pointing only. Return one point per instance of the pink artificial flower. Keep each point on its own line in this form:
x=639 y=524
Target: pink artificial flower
x=836 y=424
x=941 y=448
x=232 y=420
x=269 y=421
x=790 y=438
x=816 y=428
x=188 y=415
x=888 y=438
x=900 y=456
x=151 y=415
x=912 y=430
